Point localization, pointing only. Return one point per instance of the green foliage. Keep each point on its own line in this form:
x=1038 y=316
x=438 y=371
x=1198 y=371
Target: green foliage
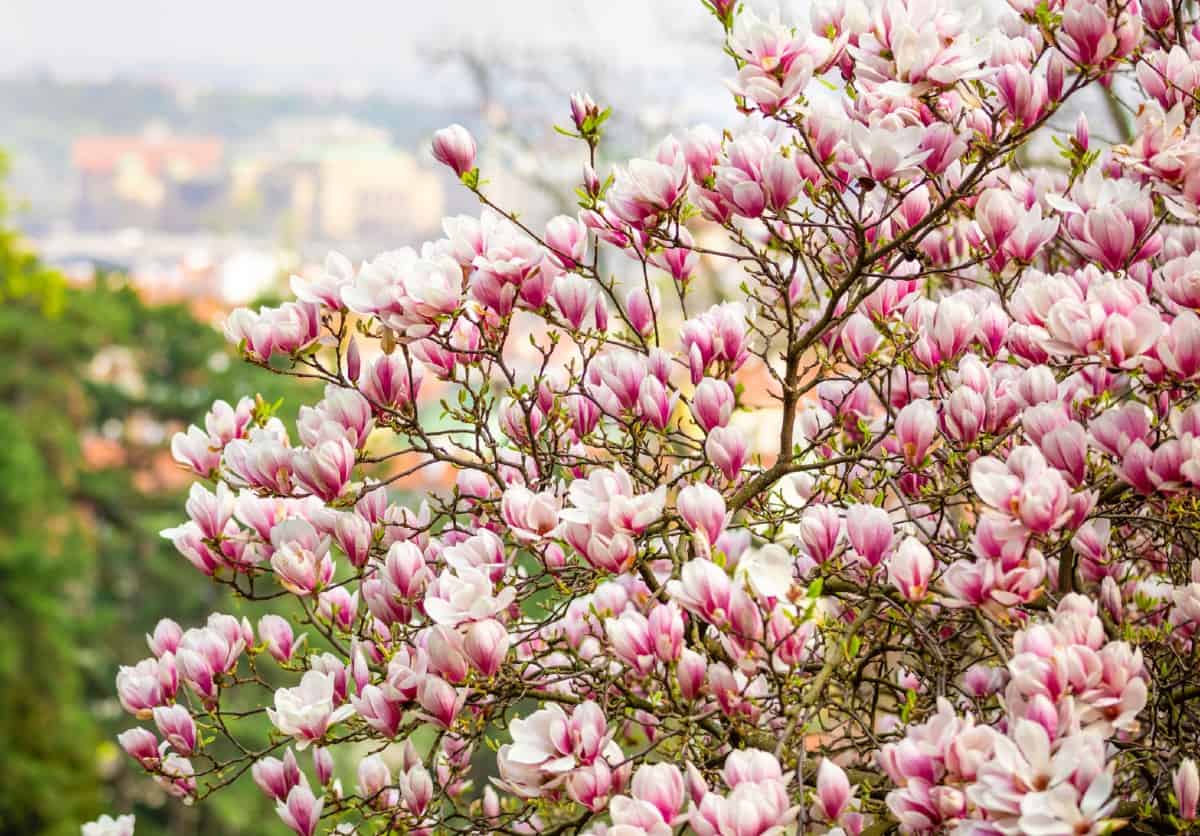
x=47 y=736
x=83 y=572
x=22 y=276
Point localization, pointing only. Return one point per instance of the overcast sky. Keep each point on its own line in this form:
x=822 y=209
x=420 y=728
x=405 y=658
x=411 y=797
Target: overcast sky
x=287 y=41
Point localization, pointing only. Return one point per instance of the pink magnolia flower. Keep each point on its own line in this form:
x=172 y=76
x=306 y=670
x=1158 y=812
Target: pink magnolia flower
x=324 y=285
x=834 y=793
x=567 y=240
x=1024 y=487
x=288 y=329
x=463 y=595
x=408 y=292
x=719 y=335
x=373 y=776
x=176 y=776
x=778 y=63
x=530 y=516
x=820 y=531
x=916 y=427
x=166 y=638
x=307 y=711
x=703 y=510
x=1088 y=37
x=455 y=147
x=195 y=449
x=326 y=468
x=392 y=381
x=276 y=777
x=548 y=745
x=177 y=727
x=301 y=558
x=378 y=710
x=486 y=645
x=140 y=688
x=869 y=530
x=262 y=460
x=885 y=150
x=631 y=640
x=661 y=786
x=605 y=515
x=1186 y=783
x=704 y=589
x=301 y=811
x=1179 y=348
x=859 y=338
x=726 y=448
x=910 y=569
x=141 y=745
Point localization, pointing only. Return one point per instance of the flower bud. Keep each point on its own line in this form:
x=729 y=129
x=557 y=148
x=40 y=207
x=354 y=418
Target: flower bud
x=1186 y=783
x=322 y=765
x=869 y=530
x=712 y=404
x=486 y=646
x=1081 y=131
x=177 y=726
x=726 y=449
x=353 y=535
x=567 y=239
x=641 y=308
x=916 y=427
x=833 y=791
x=703 y=511
x=690 y=672
x=417 y=788
x=302 y=810
x=166 y=637
x=582 y=109
x=373 y=776
x=353 y=359
x=455 y=147
x=276 y=777
x=141 y=745
x=276 y=634
x=910 y=569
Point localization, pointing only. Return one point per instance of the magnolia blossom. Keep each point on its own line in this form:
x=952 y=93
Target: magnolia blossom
x=307 y=711
x=455 y=147
x=549 y=745
x=1023 y=487
x=406 y=291
x=857 y=436
x=605 y=514
x=108 y=826
x=465 y=594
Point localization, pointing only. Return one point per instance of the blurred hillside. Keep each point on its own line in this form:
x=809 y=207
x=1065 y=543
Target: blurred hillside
x=94 y=382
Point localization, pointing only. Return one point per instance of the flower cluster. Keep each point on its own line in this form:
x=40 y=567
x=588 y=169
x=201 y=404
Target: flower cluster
x=900 y=535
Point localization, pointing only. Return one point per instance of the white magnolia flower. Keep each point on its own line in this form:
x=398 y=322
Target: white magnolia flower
x=1062 y=811
x=108 y=826
x=306 y=712
x=769 y=571
x=465 y=594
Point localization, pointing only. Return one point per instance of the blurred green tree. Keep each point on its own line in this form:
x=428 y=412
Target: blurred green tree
x=94 y=382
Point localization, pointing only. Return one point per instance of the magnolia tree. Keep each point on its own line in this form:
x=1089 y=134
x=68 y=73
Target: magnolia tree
x=903 y=537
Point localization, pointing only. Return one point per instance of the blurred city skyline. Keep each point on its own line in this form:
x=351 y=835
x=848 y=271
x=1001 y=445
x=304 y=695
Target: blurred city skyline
x=207 y=150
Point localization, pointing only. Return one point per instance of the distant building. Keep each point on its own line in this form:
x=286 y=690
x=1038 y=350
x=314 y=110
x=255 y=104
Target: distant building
x=153 y=181
x=336 y=180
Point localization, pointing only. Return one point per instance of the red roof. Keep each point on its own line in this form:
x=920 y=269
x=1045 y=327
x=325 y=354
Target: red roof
x=102 y=154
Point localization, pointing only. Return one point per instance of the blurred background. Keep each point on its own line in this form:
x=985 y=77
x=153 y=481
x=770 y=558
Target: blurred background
x=166 y=162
